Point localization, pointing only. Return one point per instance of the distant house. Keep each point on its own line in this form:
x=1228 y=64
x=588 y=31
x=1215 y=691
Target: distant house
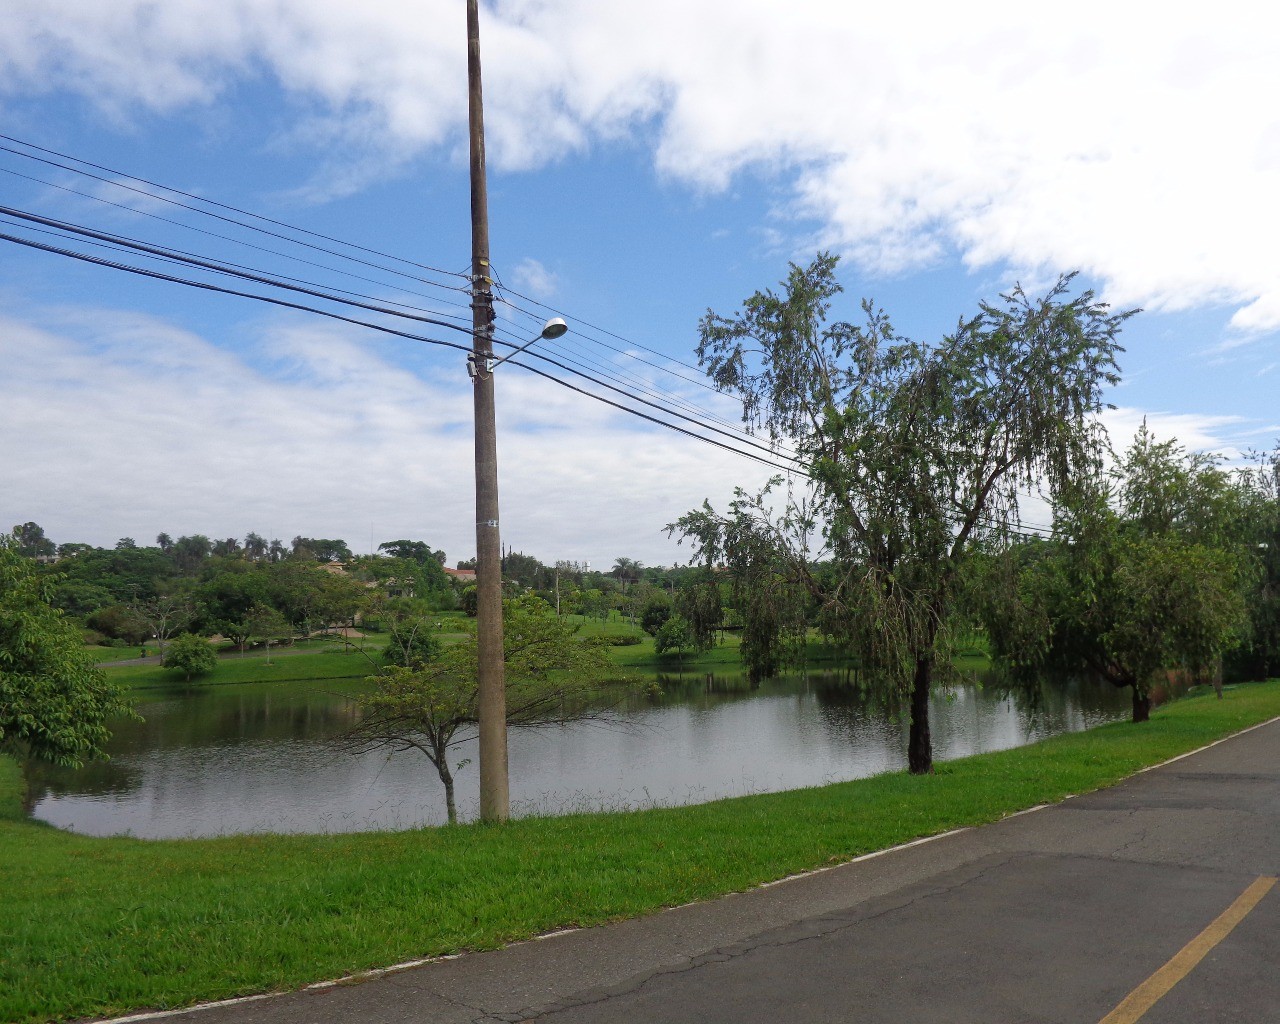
x=461 y=575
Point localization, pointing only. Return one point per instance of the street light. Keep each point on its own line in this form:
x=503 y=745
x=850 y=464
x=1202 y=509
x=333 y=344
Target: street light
x=552 y=329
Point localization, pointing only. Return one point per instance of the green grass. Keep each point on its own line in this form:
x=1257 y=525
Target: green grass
x=327 y=661
x=99 y=926
x=102 y=654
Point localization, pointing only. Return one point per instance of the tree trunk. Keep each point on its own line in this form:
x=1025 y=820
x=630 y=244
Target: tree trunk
x=1141 y=705
x=446 y=777
x=919 y=745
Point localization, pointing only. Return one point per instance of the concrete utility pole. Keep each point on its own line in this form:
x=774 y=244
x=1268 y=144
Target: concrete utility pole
x=495 y=803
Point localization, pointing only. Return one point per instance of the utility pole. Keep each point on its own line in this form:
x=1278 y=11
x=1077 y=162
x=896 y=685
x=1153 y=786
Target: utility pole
x=495 y=804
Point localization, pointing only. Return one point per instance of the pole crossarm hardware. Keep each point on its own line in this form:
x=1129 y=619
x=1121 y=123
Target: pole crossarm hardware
x=553 y=328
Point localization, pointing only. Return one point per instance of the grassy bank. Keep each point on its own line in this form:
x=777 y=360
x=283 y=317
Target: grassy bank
x=97 y=926
x=332 y=661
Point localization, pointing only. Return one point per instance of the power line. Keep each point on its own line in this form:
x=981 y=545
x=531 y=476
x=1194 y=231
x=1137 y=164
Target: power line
x=204 y=285
x=215 y=203
x=241 y=241
x=218 y=267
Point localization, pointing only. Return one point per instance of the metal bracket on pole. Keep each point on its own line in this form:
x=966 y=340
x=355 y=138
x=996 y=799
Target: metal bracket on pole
x=473 y=370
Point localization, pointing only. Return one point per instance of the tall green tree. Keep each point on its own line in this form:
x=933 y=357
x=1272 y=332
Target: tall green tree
x=54 y=704
x=29 y=540
x=915 y=453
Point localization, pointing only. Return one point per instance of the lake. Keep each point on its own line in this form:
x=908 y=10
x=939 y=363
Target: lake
x=213 y=760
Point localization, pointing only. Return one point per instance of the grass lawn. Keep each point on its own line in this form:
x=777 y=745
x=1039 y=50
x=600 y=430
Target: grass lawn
x=324 y=661
x=100 y=926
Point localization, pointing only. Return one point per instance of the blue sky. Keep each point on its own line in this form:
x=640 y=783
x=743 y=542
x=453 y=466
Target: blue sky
x=646 y=162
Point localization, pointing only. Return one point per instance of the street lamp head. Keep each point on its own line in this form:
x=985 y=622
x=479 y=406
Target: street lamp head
x=554 y=328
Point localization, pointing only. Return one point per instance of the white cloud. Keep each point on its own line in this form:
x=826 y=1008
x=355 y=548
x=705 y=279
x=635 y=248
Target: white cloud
x=534 y=279
x=1142 y=150
x=117 y=424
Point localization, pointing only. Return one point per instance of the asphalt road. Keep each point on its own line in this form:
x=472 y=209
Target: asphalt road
x=1052 y=916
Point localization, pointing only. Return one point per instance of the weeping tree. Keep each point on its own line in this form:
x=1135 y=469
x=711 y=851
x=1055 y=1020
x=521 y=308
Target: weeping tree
x=425 y=696
x=913 y=454
x=1146 y=573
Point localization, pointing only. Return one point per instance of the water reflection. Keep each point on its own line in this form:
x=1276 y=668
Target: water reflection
x=220 y=759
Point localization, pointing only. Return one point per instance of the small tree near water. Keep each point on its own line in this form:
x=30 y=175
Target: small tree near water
x=553 y=677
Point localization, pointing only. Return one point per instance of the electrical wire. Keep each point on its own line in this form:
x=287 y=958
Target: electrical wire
x=220 y=268
x=313 y=290
x=237 y=241
x=215 y=203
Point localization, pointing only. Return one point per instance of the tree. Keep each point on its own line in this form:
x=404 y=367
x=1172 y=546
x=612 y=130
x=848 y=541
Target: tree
x=413 y=644
x=552 y=677
x=120 y=622
x=188 y=553
x=29 y=540
x=54 y=704
x=255 y=547
x=1144 y=573
x=191 y=655
x=321 y=549
x=626 y=571
x=674 y=635
x=915 y=453
x=266 y=624
x=1259 y=655
x=166 y=614
x=231 y=591
x=655 y=613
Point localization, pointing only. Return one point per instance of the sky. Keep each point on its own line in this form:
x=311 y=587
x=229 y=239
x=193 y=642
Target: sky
x=647 y=162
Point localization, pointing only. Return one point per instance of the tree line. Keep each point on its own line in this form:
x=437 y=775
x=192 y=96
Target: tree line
x=903 y=533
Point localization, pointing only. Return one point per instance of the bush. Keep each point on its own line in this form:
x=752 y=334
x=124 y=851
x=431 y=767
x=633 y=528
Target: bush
x=619 y=641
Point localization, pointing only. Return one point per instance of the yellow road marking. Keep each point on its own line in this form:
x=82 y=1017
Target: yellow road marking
x=1146 y=995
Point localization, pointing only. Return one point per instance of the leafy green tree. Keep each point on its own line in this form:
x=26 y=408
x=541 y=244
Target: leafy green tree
x=191 y=655
x=189 y=553
x=266 y=624
x=120 y=622
x=321 y=549
x=915 y=453
x=524 y=569
x=1259 y=656
x=255 y=547
x=167 y=613
x=413 y=644
x=1144 y=574
x=54 y=704
x=470 y=601
x=698 y=601
x=673 y=636
x=655 y=613
x=29 y=540
x=552 y=677
x=413 y=550
x=126 y=575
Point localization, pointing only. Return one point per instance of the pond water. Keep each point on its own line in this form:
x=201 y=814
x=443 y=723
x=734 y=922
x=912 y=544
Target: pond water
x=213 y=760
